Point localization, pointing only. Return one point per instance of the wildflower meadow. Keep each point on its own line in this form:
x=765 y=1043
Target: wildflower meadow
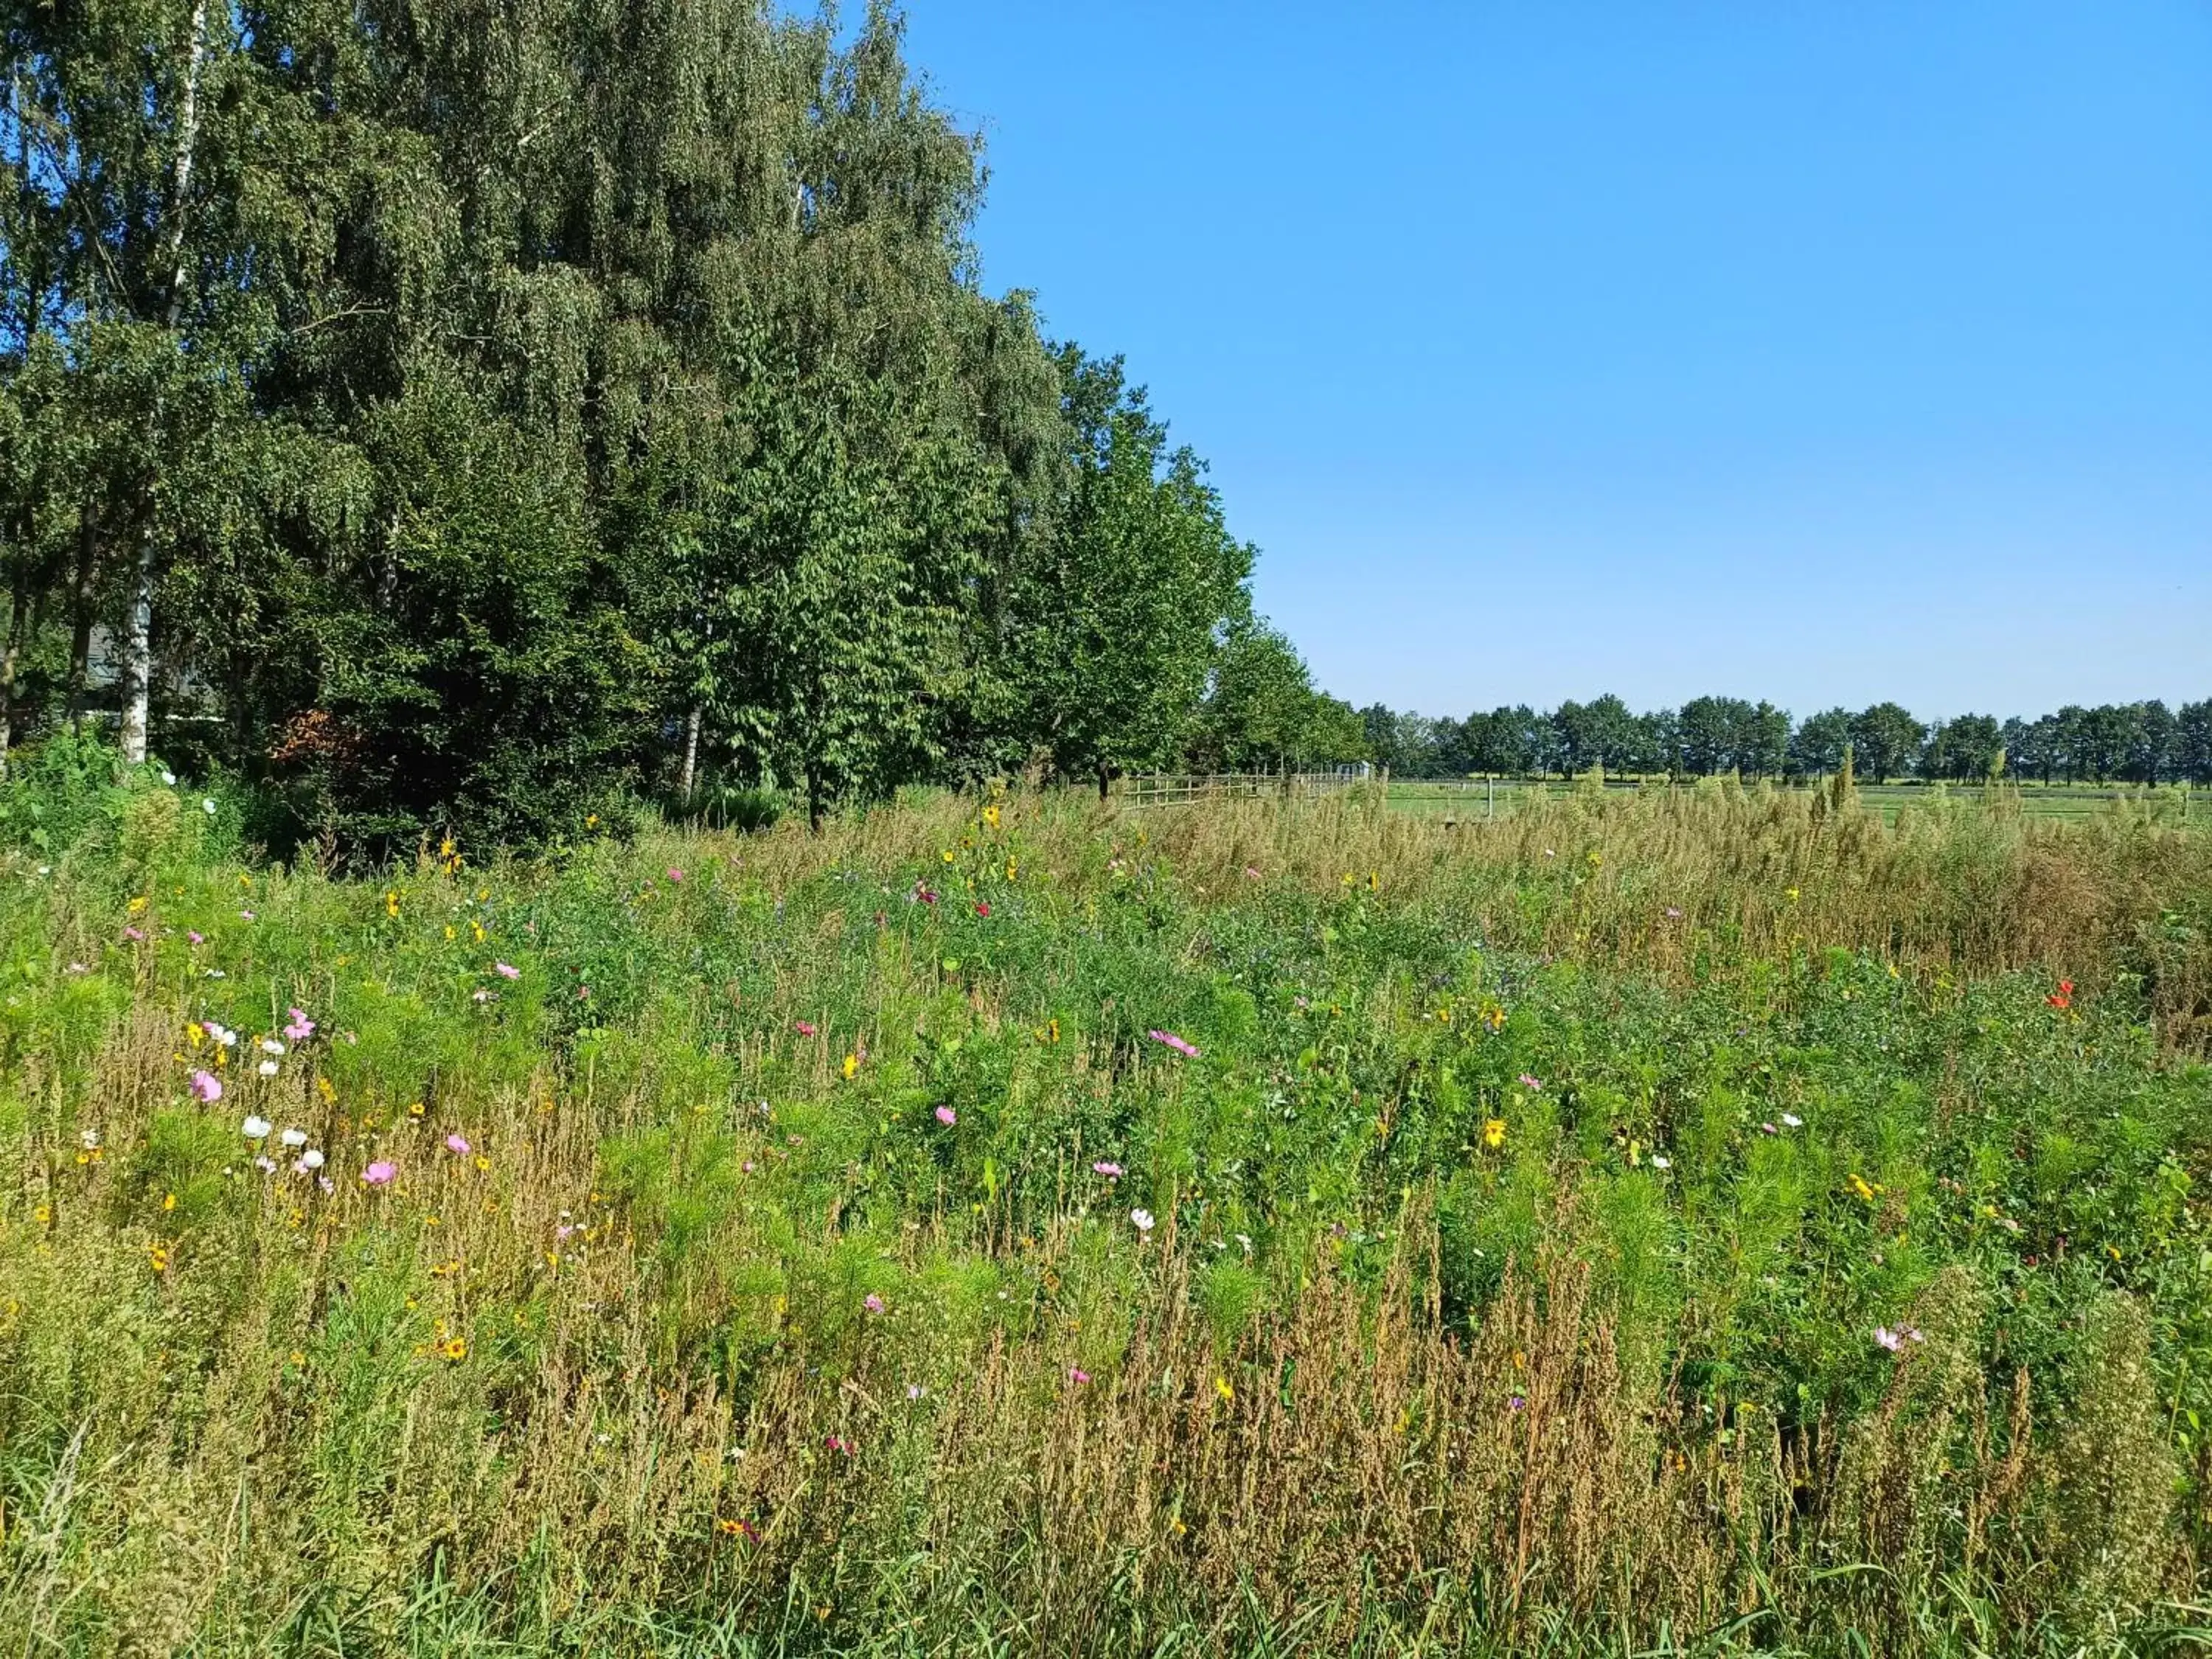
x=1697 y=1220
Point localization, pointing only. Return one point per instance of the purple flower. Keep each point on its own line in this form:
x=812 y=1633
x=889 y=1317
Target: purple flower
x=1518 y=1402
x=872 y=1303
x=1175 y=1043
x=507 y=970
x=1112 y=1172
x=947 y=1116
x=456 y=1143
x=379 y=1174
x=208 y=1086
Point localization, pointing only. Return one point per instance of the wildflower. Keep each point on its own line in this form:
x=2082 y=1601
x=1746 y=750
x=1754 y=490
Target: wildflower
x=487 y=996
x=1077 y=1374
x=223 y=1034
x=271 y=1046
x=379 y=1174
x=1221 y=1387
x=134 y=935
x=298 y=1027
x=78 y=968
x=1143 y=1219
x=454 y=1349
x=1518 y=1402
x=983 y=908
x=1244 y=1239
x=196 y=938
x=2063 y=996
x=1251 y=873
x=255 y=1128
x=310 y=1161
x=872 y=1303
x=293 y=1138
x=266 y=1163
x=326 y=1184
x=507 y=970
x=1789 y=893
x=1111 y=1171
x=1674 y=914
x=1895 y=1341
x=207 y=804
x=267 y=1068
x=246 y=915
x=837 y=1442
x=1863 y=1189
x=675 y=874
x=1660 y=1162
x=915 y=1391
x=157 y=1257
x=1791 y=1120
x=391 y=902
x=1767 y=1130
x=923 y=895
x=991 y=815
x=457 y=1143
x=947 y=1116
x=1175 y=1043
x=207 y=1086
x=89 y=1140
x=738 y=1530
x=1493 y=1132
x=805 y=1028
x=852 y=1067
x=169 y=780
x=1531 y=1083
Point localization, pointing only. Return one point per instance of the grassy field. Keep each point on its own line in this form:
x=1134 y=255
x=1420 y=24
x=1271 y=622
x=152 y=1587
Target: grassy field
x=1706 y=1222
x=2169 y=805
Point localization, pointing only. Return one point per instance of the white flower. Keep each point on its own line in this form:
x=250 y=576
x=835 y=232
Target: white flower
x=293 y=1137
x=267 y=1068
x=1662 y=1163
x=1245 y=1239
x=207 y=804
x=222 y=1033
x=89 y=1140
x=1143 y=1219
x=1791 y=1120
x=255 y=1128
x=170 y=779
x=271 y=1046
x=266 y=1163
x=310 y=1161
x=45 y=869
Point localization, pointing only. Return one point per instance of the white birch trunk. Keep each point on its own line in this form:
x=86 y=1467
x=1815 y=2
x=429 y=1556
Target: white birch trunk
x=139 y=658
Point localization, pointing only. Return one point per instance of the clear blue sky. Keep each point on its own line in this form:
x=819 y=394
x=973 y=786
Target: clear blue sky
x=1824 y=352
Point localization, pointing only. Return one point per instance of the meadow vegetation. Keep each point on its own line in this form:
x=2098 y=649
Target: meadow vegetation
x=1700 y=1220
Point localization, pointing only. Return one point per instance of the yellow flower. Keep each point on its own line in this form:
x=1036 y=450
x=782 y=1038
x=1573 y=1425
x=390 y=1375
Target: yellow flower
x=478 y=929
x=298 y=1359
x=449 y=930
x=454 y=1349
x=852 y=1067
x=195 y=1033
x=591 y=820
x=1009 y=869
x=1374 y=881
x=137 y=907
x=1221 y=1387
x=169 y=1201
x=482 y=1163
x=392 y=901
x=1052 y=1031
x=1863 y=1189
x=1789 y=893
x=1493 y=1132
x=415 y=1110
x=330 y=1094
x=157 y=1257
x=946 y=855
x=991 y=815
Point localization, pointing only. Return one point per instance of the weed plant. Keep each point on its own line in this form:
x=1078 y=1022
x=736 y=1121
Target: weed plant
x=1696 y=1222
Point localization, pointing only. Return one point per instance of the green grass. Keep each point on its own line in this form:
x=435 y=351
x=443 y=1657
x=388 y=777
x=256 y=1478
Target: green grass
x=1523 y=1231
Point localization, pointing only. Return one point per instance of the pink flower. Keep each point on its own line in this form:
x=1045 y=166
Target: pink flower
x=298 y=1027
x=379 y=1174
x=923 y=896
x=1077 y=1374
x=947 y=1116
x=872 y=1303
x=1895 y=1341
x=807 y=1028
x=1528 y=1082
x=1112 y=1172
x=1176 y=1043
x=326 y=1183
x=196 y=938
x=507 y=970
x=837 y=1442
x=675 y=874
x=1252 y=872
x=133 y=933
x=208 y=1086
x=982 y=907
x=246 y=915
x=456 y=1143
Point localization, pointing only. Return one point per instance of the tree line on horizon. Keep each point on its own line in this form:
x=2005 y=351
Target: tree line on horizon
x=2140 y=743
x=470 y=415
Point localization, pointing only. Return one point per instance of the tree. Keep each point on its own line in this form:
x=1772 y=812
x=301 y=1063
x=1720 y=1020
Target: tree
x=1113 y=629
x=1963 y=748
x=1885 y=742
x=1817 y=747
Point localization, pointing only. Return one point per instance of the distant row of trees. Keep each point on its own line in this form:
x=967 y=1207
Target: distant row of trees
x=2145 y=742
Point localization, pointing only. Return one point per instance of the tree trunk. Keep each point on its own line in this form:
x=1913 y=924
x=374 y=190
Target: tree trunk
x=138 y=658
x=1103 y=777
x=814 y=803
x=18 y=609
x=81 y=606
x=690 y=775
x=188 y=132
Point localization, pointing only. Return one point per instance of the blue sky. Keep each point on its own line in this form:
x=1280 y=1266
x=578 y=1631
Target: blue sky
x=1823 y=352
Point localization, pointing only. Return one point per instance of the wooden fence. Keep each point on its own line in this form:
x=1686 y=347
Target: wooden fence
x=1170 y=789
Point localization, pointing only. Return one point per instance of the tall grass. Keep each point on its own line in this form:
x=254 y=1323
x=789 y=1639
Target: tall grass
x=718 y=1338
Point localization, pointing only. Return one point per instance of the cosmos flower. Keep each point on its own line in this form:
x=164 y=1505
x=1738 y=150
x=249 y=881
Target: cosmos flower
x=872 y=1303
x=379 y=1174
x=255 y=1128
x=1112 y=1172
x=209 y=1087
x=507 y=970
x=298 y=1027
x=1175 y=1043
x=1143 y=1219
x=947 y=1116
x=456 y=1143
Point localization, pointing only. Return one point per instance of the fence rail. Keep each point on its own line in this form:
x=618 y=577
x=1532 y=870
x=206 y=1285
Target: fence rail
x=1168 y=788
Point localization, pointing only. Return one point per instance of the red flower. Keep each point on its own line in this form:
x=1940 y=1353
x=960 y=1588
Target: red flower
x=2063 y=996
x=983 y=908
